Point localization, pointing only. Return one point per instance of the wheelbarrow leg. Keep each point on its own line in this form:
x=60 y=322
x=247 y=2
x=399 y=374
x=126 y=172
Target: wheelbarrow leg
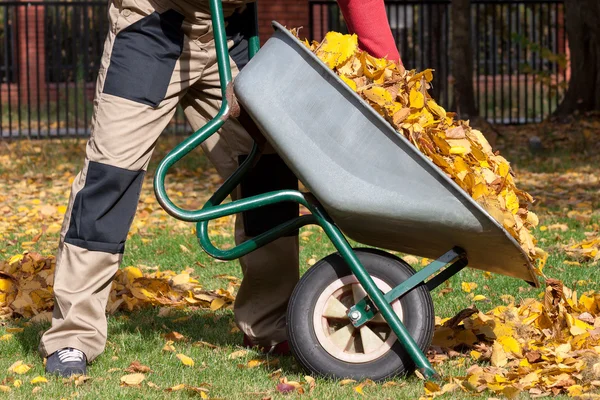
x=344 y=248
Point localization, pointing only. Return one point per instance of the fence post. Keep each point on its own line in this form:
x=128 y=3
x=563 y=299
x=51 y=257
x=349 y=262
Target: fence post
x=32 y=53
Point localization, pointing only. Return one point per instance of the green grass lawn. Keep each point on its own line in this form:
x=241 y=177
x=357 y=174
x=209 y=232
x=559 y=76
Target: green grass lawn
x=562 y=181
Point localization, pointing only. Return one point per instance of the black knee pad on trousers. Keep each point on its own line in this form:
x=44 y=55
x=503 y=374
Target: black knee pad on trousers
x=269 y=174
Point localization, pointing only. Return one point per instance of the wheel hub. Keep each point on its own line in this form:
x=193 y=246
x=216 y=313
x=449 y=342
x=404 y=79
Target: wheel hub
x=335 y=331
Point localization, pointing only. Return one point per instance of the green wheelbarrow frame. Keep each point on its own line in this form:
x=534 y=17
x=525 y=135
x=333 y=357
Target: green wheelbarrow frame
x=453 y=261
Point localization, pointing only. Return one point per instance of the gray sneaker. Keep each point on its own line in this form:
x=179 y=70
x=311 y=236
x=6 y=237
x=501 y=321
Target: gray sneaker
x=66 y=362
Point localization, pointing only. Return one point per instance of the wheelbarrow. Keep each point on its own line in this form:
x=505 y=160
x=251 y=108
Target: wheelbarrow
x=358 y=313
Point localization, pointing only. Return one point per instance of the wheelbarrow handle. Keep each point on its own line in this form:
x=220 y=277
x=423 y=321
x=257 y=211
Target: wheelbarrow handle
x=198 y=137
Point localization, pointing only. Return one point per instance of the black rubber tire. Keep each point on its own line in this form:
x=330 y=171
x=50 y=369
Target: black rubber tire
x=417 y=309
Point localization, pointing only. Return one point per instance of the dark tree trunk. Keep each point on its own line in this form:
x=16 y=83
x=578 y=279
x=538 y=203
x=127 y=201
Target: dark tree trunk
x=583 y=32
x=461 y=57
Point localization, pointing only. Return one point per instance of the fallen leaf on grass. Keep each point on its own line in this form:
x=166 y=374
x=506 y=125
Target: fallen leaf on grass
x=257 y=363
x=468 y=286
x=174 y=336
x=19 y=368
x=237 y=354
x=38 y=379
x=558 y=227
x=216 y=304
x=185 y=360
x=311 y=383
x=169 y=346
x=153 y=385
x=132 y=379
x=4 y=388
x=201 y=343
x=135 y=366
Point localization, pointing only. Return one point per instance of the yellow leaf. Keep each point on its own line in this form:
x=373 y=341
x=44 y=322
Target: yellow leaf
x=132 y=379
x=38 y=379
x=359 y=389
x=217 y=303
x=575 y=390
x=238 y=354
x=417 y=100
x=378 y=95
x=17 y=383
x=427 y=74
x=168 y=346
x=436 y=109
x=458 y=150
x=132 y=273
x=6 y=337
x=344 y=382
x=180 y=279
x=4 y=388
x=185 y=360
x=373 y=68
x=14 y=330
x=510 y=344
x=468 y=286
x=431 y=387
x=337 y=48
x=255 y=363
x=19 y=368
x=479 y=297
x=498 y=358
x=15 y=259
x=176 y=387
x=349 y=82
x=5 y=285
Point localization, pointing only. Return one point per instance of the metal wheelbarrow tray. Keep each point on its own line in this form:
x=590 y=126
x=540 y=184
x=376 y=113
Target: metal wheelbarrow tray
x=375 y=185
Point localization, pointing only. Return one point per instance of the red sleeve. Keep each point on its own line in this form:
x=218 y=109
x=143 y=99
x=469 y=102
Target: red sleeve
x=367 y=18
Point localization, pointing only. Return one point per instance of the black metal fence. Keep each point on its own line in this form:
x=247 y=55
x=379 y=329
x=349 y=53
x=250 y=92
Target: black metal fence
x=519 y=50
x=50 y=54
x=49 y=59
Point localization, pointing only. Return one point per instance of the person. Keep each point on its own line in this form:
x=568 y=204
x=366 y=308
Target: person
x=159 y=54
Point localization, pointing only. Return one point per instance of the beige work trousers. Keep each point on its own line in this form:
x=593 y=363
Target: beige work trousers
x=158 y=54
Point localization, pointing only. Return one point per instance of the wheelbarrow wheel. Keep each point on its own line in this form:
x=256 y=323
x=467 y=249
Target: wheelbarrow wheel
x=321 y=335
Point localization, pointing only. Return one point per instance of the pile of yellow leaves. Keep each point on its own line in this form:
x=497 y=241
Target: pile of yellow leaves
x=26 y=289
x=463 y=153
x=545 y=347
x=587 y=250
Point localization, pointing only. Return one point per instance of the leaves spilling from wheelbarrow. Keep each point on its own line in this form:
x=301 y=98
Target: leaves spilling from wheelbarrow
x=463 y=153
x=545 y=347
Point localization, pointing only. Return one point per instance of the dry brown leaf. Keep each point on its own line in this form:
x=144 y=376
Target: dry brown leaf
x=132 y=379
x=135 y=366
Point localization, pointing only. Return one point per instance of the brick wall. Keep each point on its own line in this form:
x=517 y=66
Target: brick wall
x=31 y=58
x=290 y=13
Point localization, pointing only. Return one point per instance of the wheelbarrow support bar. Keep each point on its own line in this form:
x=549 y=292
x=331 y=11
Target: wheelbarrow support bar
x=214 y=209
x=364 y=311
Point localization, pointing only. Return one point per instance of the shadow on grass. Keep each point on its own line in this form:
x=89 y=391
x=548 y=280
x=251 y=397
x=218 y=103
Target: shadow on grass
x=200 y=325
